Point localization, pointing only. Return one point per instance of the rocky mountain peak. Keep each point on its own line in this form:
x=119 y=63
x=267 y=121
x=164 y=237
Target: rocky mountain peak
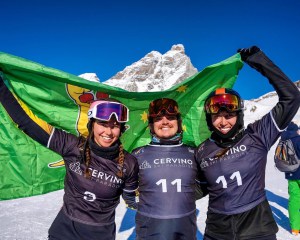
x=155 y=71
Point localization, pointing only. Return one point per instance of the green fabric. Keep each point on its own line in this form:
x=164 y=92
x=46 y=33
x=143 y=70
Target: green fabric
x=294 y=204
x=60 y=99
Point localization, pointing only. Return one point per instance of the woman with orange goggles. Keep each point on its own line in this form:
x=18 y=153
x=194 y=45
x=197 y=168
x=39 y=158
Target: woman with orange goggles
x=223 y=98
x=234 y=158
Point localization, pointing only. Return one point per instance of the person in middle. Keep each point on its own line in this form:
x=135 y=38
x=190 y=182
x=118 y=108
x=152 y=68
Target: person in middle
x=169 y=181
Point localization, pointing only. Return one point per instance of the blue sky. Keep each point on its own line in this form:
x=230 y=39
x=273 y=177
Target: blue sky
x=104 y=37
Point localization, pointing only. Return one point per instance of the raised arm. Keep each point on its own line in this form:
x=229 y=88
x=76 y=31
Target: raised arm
x=288 y=93
x=27 y=122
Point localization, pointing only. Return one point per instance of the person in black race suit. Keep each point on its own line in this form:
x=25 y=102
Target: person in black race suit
x=168 y=178
x=234 y=158
x=98 y=169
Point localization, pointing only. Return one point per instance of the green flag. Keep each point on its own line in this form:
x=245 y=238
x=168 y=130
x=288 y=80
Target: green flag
x=62 y=100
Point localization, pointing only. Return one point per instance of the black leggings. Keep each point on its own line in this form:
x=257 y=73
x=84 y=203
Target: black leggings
x=183 y=228
x=256 y=223
x=64 y=228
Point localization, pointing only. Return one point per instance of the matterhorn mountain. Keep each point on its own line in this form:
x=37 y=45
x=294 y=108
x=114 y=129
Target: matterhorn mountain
x=154 y=72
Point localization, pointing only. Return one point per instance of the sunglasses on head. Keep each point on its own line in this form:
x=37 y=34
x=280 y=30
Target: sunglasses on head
x=228 y=102
x=105 y=110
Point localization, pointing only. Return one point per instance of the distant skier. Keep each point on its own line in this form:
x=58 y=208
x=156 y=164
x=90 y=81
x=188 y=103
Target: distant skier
x=293 y=133
x=168 y=176
x=234 y=159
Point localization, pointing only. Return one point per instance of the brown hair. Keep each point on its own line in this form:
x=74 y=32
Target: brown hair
x=121 y=161
x=87 y=155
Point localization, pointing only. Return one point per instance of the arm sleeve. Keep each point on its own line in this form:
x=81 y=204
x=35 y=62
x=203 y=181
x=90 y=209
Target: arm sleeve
x=288 y=93
x=130 y=190
x=201 y=184
x=21 y=118
x=130 y=198
x=201 y=189
x=132 y=174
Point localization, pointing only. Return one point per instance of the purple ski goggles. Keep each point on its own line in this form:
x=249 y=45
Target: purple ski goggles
x=103 y=111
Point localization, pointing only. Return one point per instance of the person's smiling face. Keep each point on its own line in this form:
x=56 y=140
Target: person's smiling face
x=224 y=121
x=106 y=133
x=165 y=126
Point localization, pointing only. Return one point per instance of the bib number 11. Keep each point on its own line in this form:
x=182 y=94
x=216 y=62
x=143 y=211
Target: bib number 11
x=236 y=175
x=163 y=183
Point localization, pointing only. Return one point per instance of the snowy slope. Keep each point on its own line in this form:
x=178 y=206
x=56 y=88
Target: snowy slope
x=30 y=218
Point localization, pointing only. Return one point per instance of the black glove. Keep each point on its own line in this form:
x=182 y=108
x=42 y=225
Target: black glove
x=247 y=52
x=131 y=199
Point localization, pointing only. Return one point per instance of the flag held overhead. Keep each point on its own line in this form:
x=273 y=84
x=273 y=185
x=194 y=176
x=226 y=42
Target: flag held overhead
x=60 y=99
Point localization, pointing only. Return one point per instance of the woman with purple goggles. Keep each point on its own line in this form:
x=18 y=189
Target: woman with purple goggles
x=98 y=169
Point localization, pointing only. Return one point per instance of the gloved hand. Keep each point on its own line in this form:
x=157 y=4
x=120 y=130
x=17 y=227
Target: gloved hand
x=247 y=52
x=131 y=199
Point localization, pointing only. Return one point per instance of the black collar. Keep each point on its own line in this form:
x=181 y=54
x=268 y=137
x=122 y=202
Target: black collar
x=227 y=142
x=110 y=153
